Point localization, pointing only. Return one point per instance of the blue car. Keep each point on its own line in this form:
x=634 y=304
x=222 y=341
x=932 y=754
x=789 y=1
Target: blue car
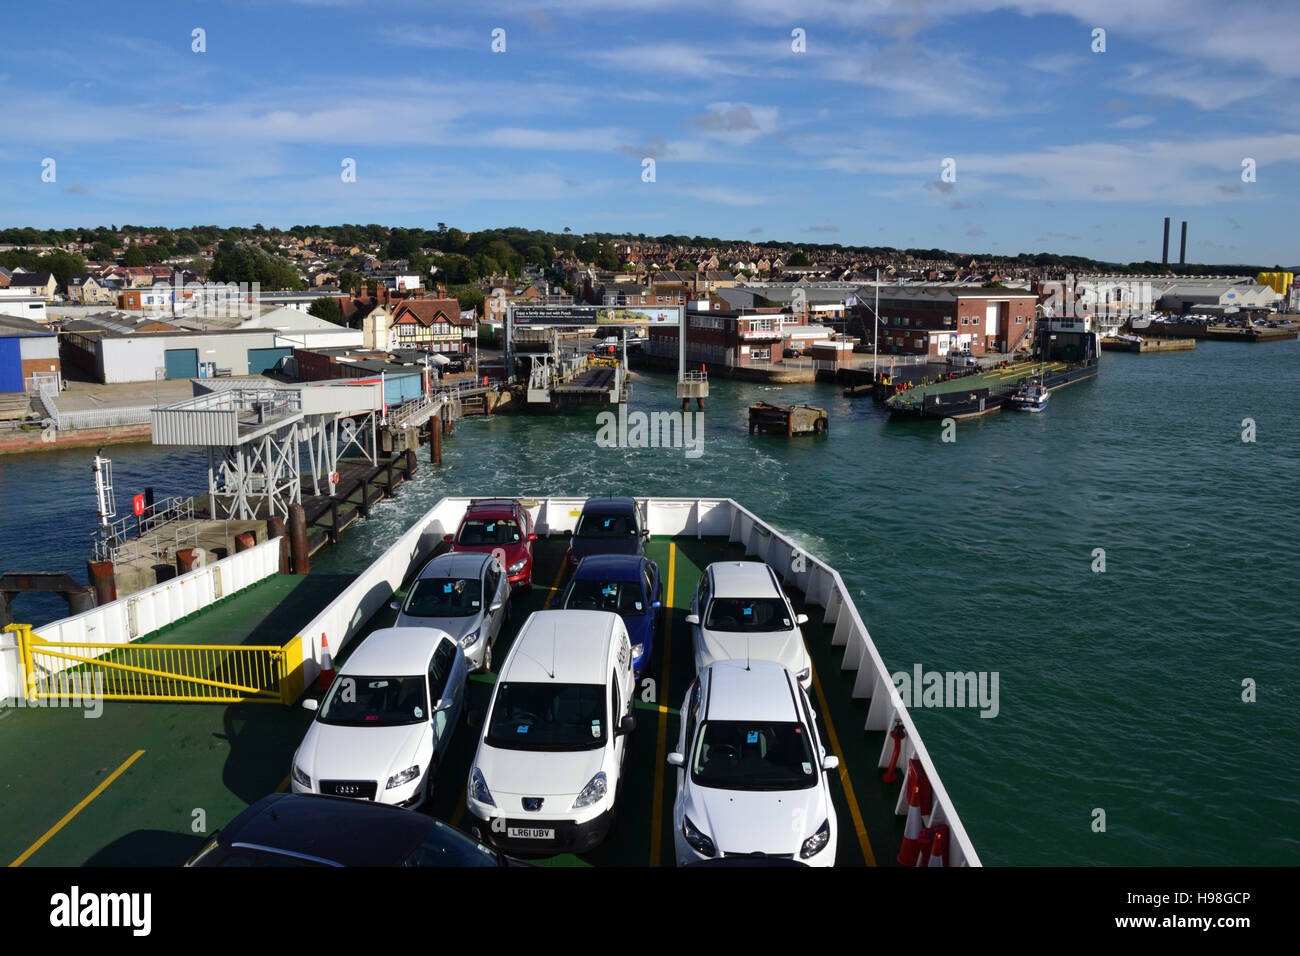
x=626 y=584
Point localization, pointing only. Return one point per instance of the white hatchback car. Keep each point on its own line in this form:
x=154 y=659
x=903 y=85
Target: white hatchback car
x=547 y=774
x=740 y=612
x=751 y=769
x=387 y=719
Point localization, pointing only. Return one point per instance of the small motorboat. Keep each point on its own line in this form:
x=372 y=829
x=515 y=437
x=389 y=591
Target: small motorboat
x=1030 y=397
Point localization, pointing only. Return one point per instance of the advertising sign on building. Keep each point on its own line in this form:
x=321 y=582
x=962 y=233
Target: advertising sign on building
x=579 y=316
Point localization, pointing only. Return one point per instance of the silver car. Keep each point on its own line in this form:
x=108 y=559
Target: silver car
x=465 y=594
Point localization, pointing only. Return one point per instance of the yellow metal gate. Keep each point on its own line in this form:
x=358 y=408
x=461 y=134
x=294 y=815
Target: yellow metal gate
x=177 y=672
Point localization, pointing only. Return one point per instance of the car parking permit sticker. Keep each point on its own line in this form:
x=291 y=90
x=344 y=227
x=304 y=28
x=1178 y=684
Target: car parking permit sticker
x=521 y=729
x=446 y=589
x=638 y=605
x=751 y=737
x=488 y=528
x=606 y=522
x=473 y=603
x=747 y=611
x=807 y=767
x=595 y=728
x=419 y=713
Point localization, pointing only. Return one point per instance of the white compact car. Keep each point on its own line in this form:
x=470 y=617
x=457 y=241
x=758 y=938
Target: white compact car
x=547 y=774
x=751 y=769
x=740 y=612
x=386 y=720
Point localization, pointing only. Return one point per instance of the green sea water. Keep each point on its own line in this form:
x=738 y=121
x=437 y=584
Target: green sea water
x=1120 y=690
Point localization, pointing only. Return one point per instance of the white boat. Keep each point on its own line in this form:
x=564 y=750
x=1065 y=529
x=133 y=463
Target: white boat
x=1030 y=397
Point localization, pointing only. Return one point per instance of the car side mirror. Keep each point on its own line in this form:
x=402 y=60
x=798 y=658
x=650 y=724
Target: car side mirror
x=645 y=533
x=444 y=703
x=568 y=532
x=448 y=538
x=311 y=703
x=496 y=606
x=627 y=724
x=692 y=619
x=395 y=605
x=801 y=618
x=532 y=536
x=676 y=760
x=831 y=763
x=656 y=603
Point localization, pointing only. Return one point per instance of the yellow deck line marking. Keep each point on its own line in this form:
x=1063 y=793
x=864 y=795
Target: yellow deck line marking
x=555 y=585
x=284 y=785
x=661 y=738
x=78 y=808
x=460 y=810
x=863 y=841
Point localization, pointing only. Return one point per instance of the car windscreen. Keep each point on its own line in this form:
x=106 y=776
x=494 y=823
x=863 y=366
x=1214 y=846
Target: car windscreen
x=445 y=846
x=753 y=755
x=355 y=701
x=609 y=525
x=479 y=531
x=444 y=597
x=621 y=597
x=548 y=716
x=748 y=615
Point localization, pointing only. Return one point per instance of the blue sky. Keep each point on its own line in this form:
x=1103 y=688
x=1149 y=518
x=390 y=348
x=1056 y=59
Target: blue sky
x=1056 y=147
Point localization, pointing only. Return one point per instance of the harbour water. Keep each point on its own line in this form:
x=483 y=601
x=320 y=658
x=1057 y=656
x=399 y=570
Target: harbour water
x=1120 y=690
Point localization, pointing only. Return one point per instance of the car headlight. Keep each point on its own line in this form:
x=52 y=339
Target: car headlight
x=804 y=674
x=478 y=788
x=469 y=639
x=636 y=650
x=698 y=841
x=517 y=566
x=592 y=792
x=300 y=778
x=817 y=842
x=406 y=776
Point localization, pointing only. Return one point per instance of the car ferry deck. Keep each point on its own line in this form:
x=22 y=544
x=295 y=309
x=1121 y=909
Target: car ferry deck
x=188 y=746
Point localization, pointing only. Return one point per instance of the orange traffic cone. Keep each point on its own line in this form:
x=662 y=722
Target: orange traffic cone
x=911 y=848
x=326 y=664
x=939 y=846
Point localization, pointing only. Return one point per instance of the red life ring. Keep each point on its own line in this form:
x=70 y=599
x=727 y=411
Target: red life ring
x=334 y=478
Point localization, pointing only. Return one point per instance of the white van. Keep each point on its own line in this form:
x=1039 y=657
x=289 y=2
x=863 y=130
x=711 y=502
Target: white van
x=547 y=773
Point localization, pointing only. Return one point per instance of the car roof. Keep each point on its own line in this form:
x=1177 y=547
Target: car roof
x=491 y=506
x=753 y=690
x=394 y=652
x=612 y=505
x=743 y=579
x=572 y=645
x=351 y=832
x=456 y=563
x=616 y=567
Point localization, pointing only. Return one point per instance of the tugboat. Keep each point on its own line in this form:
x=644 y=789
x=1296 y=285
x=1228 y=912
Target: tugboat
x=1030 y=396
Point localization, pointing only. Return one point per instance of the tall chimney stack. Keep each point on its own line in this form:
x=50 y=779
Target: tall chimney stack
x=1164 y=255
x=1182 y=247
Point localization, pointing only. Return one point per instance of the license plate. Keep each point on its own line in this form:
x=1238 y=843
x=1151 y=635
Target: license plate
x=529 y=833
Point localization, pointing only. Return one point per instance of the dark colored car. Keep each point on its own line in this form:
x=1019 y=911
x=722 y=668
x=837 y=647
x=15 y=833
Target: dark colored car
x=607 y=526
x=503 y=527
x=626 y=584
x=291 y=829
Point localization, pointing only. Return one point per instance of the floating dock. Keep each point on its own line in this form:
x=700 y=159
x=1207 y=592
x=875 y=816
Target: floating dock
x=123 y=788
x=788 y=420
x=1142 y=344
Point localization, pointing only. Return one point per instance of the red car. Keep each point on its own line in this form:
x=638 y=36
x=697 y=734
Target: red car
x=503 y=527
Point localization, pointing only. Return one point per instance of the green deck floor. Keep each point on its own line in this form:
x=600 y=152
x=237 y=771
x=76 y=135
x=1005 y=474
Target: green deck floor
x=203 y=763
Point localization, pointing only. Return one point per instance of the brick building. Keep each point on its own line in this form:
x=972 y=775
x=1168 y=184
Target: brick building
x=929 y=320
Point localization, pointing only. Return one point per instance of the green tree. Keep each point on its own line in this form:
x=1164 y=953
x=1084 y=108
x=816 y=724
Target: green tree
x=326 y=308
x=135 y=257
x=799 y=258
